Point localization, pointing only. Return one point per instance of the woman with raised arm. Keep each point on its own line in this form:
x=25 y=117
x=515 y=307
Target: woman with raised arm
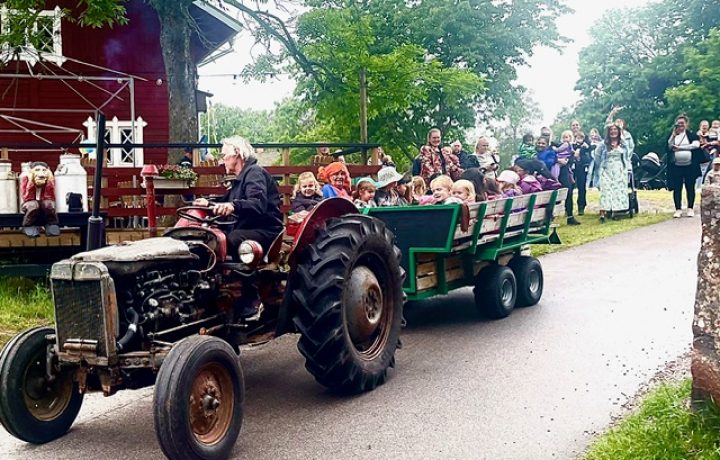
x=611 y=172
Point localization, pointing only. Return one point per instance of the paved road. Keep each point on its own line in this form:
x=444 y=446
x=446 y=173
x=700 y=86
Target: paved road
x=532 y=386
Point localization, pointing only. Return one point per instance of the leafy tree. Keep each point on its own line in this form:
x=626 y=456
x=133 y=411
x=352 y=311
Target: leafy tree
x=698 y=93
x=430 y=63
x=224 y=121
x=636 y=59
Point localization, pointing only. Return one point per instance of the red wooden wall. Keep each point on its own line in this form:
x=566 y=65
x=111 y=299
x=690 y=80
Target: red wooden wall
x=133 y=48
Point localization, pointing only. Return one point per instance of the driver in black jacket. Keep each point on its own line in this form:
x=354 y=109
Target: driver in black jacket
x=254 y=201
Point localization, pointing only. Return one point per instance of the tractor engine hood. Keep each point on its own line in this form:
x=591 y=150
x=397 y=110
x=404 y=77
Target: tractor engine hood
x=131 y=256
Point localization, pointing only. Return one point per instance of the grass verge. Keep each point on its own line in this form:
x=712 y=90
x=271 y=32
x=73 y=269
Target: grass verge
x=591 y=230
x=663 y=428
x=24 y=304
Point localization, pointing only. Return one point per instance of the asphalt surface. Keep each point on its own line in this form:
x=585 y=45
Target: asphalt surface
x=536 y=385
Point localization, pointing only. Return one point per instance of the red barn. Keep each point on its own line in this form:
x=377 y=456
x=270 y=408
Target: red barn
x=52 y=94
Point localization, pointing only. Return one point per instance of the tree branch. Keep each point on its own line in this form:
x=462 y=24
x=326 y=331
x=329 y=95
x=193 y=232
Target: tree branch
x=276 y=28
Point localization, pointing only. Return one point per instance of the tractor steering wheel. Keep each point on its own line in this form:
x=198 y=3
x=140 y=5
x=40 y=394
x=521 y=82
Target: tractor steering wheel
x=214 y=220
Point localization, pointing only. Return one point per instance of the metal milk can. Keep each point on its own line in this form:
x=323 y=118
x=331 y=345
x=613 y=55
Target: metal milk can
x=70 y=177
x=8 y=188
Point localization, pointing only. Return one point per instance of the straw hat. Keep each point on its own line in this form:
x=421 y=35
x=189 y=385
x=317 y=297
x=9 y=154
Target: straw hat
x=387 y=175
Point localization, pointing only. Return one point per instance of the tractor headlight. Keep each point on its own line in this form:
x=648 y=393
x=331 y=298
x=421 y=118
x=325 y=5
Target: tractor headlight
x=250 y=252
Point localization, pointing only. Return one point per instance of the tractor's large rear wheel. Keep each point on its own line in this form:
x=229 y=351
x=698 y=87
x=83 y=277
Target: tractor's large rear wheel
x=349 y=303
x=198 y=400
x=33 y=407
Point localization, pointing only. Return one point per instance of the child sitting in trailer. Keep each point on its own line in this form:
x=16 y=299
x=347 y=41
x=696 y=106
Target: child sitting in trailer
x=507 y=182
x=387 y=193
x=492 y=189
x=306 y=195
x=441 y=188
x=418 y=189
x=464 y=190
x=528 y=183
x=364 y=195
x=477 y=179
x=337 y=180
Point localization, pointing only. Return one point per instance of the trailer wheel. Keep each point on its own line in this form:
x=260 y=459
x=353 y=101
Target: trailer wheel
x=32 y=408
x=198 y=400
x=495 y=291
x=529 y=275
x=349 y=303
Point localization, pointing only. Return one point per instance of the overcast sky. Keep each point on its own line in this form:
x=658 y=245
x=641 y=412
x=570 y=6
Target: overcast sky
x=551 y=75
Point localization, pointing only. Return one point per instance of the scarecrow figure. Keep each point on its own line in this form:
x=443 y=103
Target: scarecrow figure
x=38 y=195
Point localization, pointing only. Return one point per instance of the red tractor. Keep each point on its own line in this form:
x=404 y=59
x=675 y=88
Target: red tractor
x=161 y=311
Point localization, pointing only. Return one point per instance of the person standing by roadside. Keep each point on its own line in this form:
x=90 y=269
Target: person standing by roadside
x=611 y=172
x=683 y=158
x=432 y=161
x=583 y=158
x=595 y=140
x=705 y=144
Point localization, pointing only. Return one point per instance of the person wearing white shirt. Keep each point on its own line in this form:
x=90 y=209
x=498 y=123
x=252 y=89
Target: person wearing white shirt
x=683 y=162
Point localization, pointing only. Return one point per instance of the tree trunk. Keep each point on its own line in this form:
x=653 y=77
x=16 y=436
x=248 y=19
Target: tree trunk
x=175 y=32
x=706 y=324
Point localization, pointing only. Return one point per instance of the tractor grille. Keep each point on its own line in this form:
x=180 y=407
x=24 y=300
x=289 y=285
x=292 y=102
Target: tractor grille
x=79 y=312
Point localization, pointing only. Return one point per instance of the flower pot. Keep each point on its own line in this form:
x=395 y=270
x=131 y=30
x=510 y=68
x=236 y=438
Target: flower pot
x=165 y=183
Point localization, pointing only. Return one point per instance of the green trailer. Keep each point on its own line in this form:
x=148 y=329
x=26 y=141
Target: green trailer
x=485 y=245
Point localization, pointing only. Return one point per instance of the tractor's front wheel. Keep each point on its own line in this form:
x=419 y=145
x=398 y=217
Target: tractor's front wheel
x=349 y=303
x=199 y=394
x=33 y=407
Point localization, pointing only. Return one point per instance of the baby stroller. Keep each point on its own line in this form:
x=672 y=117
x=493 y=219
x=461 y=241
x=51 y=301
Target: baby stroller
x=653 y=172
x=634 y=206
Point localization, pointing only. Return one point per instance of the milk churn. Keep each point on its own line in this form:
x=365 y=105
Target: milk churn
x=8 y=189
x=70 y=177
x=24 y=171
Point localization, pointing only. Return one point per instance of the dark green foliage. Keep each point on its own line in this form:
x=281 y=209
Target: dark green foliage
x=654 y=65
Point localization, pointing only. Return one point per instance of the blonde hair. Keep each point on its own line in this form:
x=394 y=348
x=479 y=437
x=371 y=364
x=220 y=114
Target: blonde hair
x=466 y=186
x=418 y=186
x=442 y=181
x=307 y=175
x=567 y=132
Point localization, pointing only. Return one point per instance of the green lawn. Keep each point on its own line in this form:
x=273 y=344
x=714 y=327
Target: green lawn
x=655 y=206
x=591 y=230
x=23 y=304
x=663 y=428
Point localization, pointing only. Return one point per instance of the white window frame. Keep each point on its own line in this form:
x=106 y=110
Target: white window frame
x=29 y=53
x=115 y=127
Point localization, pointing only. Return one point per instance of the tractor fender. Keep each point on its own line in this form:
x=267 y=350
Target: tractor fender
x=327 y=209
